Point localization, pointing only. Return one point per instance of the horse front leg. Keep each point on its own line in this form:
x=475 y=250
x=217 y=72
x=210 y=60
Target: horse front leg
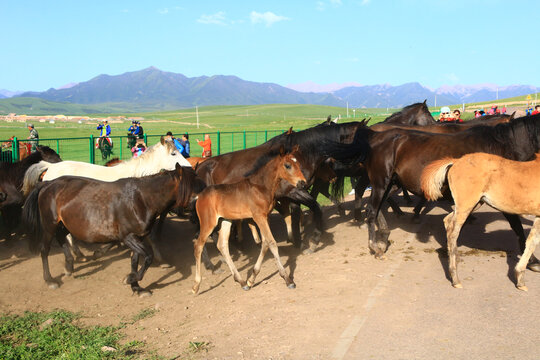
x=267 y=236
x=223 y=247
x=532 y=242
x=139 y=248
x=360 y=186
x=207 y=225
x=515 y=224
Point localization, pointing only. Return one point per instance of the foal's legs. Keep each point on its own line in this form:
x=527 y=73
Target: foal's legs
x=258 y=264
x=207 y=225
x=453 y=223
x=267 y=236
x=223 y=247
x=515 y=224
x=532 y=242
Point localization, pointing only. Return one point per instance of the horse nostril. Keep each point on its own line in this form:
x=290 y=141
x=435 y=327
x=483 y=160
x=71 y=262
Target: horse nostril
x=301 y=184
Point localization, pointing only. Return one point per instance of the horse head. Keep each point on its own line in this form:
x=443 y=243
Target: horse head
x=189 y=184
x=48 y=154
x=289 y=167
x=163 y=155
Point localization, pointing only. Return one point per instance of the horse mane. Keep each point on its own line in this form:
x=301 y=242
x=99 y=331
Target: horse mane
x=520 y=136
x=262 y=161
x=14 y=172
x=482 y=119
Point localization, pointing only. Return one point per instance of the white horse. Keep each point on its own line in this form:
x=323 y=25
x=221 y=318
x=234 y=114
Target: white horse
x=161 y=156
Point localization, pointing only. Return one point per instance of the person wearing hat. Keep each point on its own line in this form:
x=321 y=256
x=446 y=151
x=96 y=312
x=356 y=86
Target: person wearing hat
x=33 y=138
x=105 y=132
x=445 y=114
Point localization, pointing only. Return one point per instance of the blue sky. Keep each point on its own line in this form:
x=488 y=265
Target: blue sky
x=51 y=43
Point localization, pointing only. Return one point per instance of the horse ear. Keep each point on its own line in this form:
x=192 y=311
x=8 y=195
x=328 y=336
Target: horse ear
x=329 y=119
x=289 y=132
x=162 y=140
x=425 y=102
x=513 y=116
x=281 y=151
x=178 y=168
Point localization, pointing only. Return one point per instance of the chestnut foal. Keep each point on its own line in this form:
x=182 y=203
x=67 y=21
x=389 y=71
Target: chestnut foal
x=251 y=198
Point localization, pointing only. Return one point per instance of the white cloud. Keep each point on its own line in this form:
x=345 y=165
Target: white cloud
x=320 y=6
x=163 y=11
x=216 y=19
x=268 y=18
x=365 y=2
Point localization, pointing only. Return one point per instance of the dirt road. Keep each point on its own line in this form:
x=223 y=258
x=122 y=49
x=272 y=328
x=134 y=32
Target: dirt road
x=347 y=305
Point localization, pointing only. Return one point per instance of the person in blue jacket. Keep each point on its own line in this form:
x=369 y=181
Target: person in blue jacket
x=104 y=127
x=176 y=142
x=185 y=144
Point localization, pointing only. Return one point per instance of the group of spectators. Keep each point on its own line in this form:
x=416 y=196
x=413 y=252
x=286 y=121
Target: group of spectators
x=450 y=116
x=530 y=111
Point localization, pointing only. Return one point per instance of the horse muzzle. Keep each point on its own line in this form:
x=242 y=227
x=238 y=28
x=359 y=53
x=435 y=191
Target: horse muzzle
x=301 y=185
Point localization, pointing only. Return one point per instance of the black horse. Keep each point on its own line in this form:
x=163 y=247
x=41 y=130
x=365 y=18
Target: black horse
x=102 y=212
x=11 y=180
x=399 y=157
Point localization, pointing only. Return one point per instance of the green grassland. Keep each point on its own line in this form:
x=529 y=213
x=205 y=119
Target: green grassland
x=259 y=122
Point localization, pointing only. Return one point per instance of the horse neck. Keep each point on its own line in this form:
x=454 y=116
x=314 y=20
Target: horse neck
x=159 y=191
x=267 y=176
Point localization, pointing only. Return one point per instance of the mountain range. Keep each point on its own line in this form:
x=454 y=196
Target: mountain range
x=151 y=89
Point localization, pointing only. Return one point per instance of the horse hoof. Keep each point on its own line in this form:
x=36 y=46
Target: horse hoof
x=522 y=287
x=68 y=273
x=83 y=259
x=458 y=286
x=292 y=286
x=195 y=289
x=53 y=285
x=534 y=267
x=307 y=251
x=246 y=287
x=218 y=271
x=165 y=266
x=381 y=257
x=144 y=294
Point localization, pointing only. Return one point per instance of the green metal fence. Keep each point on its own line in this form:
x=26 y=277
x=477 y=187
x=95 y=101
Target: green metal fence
x=85 y=148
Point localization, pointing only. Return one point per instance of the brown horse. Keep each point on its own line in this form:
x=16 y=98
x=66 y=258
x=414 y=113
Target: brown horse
x=251 y=198
x=24 y=148
x=506 y=185
x=101 y=212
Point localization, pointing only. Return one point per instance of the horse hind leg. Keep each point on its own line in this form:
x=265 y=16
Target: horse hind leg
x=258 y=264
x=44 y=250
x=532 y=242
x=68 y=264
x=206 y=228
x=453 y=223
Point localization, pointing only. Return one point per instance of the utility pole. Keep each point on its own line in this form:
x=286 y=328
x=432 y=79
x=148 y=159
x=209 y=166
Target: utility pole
x=347 y=109
x=197 y=112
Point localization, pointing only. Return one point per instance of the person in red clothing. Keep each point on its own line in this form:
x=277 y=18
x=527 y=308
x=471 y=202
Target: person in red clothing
x=206 y=145
x=457 y=116
x=536 y=110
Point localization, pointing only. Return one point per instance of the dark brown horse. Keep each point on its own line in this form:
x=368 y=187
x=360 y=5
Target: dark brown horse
x=414 y=114
x=250 y=198
x=11 y=181
x=446 y=128
x=399 y=157
x=101 y=212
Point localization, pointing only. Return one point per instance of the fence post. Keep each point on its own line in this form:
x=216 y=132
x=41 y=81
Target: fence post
x=145 y=139
x=15 y=150
x=58 y=146
x=265 y=135
x=121 y=137
x=232 y=141
x=218 y=143
x=244 y=139
x=92 y=155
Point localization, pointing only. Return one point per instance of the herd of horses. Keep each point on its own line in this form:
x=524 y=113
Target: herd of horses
x=488 y=160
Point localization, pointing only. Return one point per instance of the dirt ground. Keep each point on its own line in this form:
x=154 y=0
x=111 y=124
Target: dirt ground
x=347 y=305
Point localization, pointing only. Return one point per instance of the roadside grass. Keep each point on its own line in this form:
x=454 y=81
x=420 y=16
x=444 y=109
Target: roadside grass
x=56 y=335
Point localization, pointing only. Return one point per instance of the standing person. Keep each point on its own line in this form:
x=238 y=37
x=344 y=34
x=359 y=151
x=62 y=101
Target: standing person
x=503 y=110
x=131 y=137
x=33 y=137
x=185 y=143
x=140 y=131
x=206 y=145
x=536 y=110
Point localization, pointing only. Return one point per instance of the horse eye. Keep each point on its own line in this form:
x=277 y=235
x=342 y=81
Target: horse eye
x=173 y=153
x=288 y=166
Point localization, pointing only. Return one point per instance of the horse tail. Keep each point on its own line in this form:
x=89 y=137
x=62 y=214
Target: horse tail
x=33 y=175
x=434 y=177
x=337 y=188
x=31 y=219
